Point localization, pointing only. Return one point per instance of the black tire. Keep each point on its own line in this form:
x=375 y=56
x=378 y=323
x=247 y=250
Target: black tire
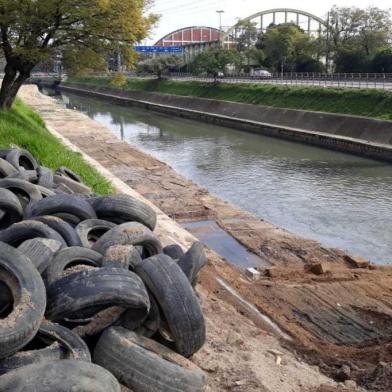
x=150 y=325
x=45 y=192
x=193 y=261
x=6 y=169
x=177 y=300
x=18 y=158
x=131 y=233
x=6 y=300
x=62 y=227
x=71 y=219
x=75 y=186
x=70 y=257
x=174 y=251
x=59 y=376
x=11 y=208
x=124 y=256
x=62 y=189
x=83 y=294
x=64 y=171
x=59 y=204
x=145 y=365
x=20 y=232
x=75 y=347
x=29 y=297
x=23 y=190
x=91 y=230
x=124 y=208
x=61 y=343
x=102 y=320
x=45 y=177
x=40 y=251
x=3 y=153
x=26 y=175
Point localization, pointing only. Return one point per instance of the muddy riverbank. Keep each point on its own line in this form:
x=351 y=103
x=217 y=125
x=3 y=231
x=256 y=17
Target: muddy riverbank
x=337 y=309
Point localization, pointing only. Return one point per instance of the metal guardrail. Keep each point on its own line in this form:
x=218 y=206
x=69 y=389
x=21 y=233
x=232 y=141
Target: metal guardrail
x=337 y=80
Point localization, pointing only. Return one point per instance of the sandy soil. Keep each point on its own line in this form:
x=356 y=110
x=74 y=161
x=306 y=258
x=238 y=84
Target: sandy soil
x=335 y=308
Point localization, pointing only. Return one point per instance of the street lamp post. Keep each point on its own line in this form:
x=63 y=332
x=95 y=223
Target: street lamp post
x=220 y=12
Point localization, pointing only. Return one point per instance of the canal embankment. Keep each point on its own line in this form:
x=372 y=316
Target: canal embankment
x=238 y=354
x=353 y=134
x=334 y=306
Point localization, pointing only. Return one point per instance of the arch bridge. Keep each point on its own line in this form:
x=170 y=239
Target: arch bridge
x=308 y=22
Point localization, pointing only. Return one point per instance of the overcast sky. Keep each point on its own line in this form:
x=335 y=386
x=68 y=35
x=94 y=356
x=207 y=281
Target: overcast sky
x=183 y=13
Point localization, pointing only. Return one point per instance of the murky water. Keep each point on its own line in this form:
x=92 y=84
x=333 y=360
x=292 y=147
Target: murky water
x=339 y=199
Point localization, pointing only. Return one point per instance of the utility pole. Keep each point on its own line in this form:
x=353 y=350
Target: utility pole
x=220 y=12
x=327 y=54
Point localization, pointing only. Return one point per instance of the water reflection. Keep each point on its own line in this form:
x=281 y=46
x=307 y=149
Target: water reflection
x=338 y=199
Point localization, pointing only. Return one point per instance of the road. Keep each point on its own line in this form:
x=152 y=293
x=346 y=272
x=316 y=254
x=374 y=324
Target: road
x=342 y=83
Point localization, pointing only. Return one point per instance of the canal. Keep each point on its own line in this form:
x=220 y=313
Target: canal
x=339 y=199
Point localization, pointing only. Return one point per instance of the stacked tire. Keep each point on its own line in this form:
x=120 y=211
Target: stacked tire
x=89 y=298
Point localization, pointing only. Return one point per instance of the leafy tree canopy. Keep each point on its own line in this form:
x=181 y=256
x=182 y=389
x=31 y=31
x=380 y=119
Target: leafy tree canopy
x=86 y=31
x=215 y=60
x=160 y=65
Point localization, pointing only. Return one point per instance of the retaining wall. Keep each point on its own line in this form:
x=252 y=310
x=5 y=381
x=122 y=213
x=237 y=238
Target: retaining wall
x=354 y=134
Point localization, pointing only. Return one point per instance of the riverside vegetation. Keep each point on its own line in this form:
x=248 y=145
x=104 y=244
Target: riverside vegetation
x=365 y=102
x=24 y=128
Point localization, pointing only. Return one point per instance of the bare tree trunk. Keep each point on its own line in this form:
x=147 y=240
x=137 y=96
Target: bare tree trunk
x=10 y=86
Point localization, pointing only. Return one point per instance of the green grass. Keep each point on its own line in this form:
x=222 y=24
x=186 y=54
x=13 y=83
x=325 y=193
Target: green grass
x=361 y=102
x=24 y=128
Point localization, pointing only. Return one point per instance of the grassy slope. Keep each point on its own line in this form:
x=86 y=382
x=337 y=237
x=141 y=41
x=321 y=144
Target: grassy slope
x=24 y=128
x=361 y=102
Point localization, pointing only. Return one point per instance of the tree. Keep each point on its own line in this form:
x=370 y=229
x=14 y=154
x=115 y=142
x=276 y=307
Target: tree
x=86 y=31
x=356 y=35
x=215 y=60
x=160 y=65
x=285 y=44
x=382 y=61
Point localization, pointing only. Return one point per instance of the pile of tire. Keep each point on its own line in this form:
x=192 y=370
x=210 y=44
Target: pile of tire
x=89 y=298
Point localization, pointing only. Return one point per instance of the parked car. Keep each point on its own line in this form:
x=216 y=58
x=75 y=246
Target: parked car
x=262 y=74
x=220 y=75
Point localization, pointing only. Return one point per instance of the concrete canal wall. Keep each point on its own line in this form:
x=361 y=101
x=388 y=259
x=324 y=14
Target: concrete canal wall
x=359 y=135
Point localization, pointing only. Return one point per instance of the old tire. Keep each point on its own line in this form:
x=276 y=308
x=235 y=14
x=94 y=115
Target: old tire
x=61 y=343
x=193 y=261
x=59 y=376
x=6 y=169
x=60 y=204
x=145 y=365
x=26 y=175
x=45 y=192
x=40 y=251
x=150 y=325
x=83 y=294
x=123 y=256
x=20 y=158
x=75 y=186
x=29 y=296
x=11 y=208
x=91 y=230
x=70 y=257
x=23 y=190
x=132 y=233
x=177 y=300
x=62 y=227
x=64 y=171
x=19 y=232
x=45 y=177
x=124 y=208
x=174 y=251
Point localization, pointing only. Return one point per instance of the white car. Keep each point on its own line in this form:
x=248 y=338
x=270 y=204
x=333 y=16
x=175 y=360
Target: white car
x=262 y=74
